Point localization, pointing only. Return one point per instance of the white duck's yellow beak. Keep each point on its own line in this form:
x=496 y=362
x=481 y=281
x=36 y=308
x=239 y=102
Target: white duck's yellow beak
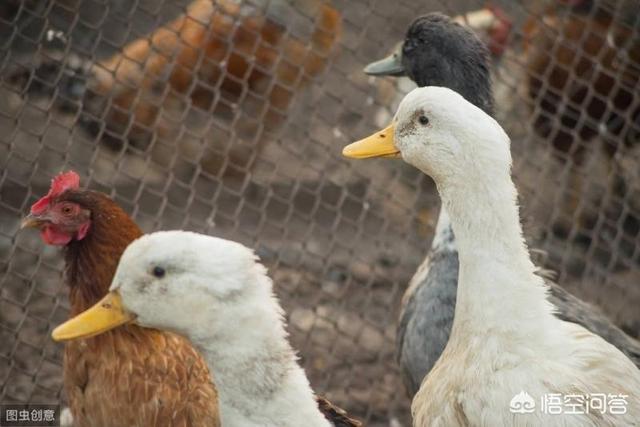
x=106 y=314
x=380 y=144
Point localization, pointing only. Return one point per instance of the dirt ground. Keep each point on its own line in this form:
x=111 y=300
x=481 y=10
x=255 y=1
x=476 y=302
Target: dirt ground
x=341 y=238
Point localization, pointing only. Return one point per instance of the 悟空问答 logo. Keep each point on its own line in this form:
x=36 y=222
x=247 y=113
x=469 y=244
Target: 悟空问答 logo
x=522 y=403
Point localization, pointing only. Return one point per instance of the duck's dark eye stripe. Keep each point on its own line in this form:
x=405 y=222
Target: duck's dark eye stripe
x=158 y=271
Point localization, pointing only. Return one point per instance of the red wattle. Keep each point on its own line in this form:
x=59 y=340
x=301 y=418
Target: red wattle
x=54 y=237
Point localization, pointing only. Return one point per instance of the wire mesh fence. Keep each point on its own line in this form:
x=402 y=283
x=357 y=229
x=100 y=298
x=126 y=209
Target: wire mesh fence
x=228 y=117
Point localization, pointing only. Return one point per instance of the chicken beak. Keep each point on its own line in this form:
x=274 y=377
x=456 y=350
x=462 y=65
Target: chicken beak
x=105 y=315
x=32 y=221
x=389 y=66
x=380 y=144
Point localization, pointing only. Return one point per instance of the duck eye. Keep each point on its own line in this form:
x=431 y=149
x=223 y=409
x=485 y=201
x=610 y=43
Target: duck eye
x=408 y=45
x=158 y=271
x=424 y=120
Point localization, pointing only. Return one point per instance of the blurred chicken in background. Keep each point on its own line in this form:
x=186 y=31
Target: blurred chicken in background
x=222 y=73
x=211 y=58
x=583 y=72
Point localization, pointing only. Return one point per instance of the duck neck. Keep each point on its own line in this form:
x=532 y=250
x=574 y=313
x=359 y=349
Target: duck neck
x=443 y=238
x=497 y=279
x=258 y=378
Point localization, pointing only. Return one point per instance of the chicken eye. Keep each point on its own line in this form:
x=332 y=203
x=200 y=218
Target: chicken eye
x=424 y=120
x=158 y=271
x=67 y=210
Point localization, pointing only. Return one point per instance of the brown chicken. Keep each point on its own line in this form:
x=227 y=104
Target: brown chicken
x=583 y=71
x=130 y=376
x=583 y=74
x=209 y=58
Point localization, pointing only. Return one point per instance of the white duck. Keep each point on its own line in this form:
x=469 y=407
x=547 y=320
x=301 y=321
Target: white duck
x=213 y=292
x=505 y=338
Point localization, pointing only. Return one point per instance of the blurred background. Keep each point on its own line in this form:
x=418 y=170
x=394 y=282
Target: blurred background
x=228 y=117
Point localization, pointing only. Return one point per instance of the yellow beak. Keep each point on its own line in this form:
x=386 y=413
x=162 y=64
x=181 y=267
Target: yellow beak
x=107 y=314
x=380 y=144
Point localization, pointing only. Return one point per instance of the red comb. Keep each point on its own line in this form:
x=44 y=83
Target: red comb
x=61 y=183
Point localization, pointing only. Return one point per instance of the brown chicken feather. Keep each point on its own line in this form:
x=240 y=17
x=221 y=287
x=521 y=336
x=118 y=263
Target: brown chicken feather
x=130 y=376
x=338 y=417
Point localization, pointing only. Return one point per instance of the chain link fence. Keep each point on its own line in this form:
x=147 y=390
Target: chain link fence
x=228 y=117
